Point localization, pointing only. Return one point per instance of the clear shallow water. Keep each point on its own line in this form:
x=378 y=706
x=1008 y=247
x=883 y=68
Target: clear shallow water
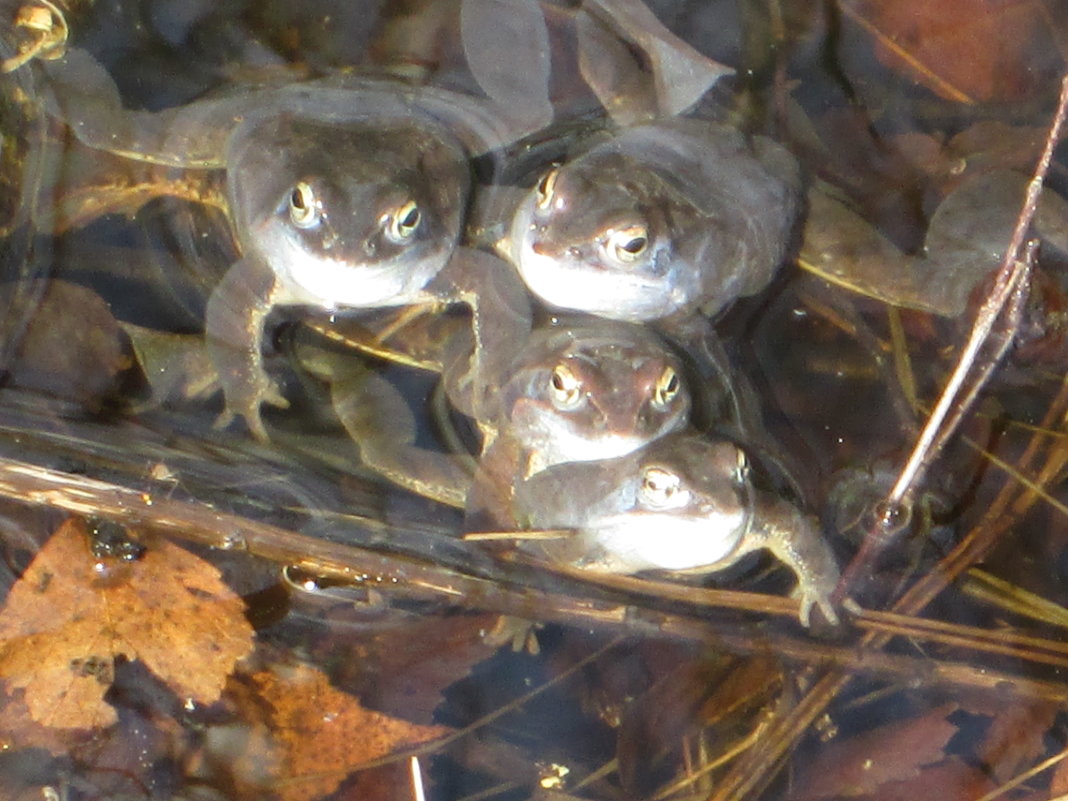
x=406 y=638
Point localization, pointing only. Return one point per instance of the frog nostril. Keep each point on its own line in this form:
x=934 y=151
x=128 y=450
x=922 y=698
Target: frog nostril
x=543 y=249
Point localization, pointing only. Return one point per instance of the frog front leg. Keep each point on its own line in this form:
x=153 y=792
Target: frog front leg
x=501 y=321
x=795 y=540
x=233 y=327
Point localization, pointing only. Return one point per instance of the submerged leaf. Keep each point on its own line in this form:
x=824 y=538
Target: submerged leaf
x=318 y=734
x=963 y=50
x=894 y=752
x=70 y=615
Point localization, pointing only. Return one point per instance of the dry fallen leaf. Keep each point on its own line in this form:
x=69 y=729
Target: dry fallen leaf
x=318 y=734
x=71 y=614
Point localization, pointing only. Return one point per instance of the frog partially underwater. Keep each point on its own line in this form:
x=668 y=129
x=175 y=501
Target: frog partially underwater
x=583 y=389
x=658 y=221
x=685 y=504
x=343 y=193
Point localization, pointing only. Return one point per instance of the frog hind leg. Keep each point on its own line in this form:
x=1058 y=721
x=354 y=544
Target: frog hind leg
x=378 y=419
x=794 y=538
x=234 y=320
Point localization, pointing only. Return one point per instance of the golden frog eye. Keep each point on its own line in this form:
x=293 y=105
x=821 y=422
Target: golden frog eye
x=659 y=486
x=626 y=245
x=543 y=190
x=404 y=221
x=741 y=469
x=565 y=387
x=304 y=207
x=666 y=389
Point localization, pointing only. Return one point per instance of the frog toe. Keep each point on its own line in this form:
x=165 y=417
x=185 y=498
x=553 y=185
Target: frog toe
x=245 y=402
x=273 y=395
x=808 y=600
x=252 y=419
x=517 y=632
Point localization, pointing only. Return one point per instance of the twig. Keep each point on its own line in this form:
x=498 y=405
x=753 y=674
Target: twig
x=751 y=774
x=1005 y=302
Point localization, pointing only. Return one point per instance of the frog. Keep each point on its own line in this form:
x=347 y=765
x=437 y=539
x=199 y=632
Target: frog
x=965 y=241
x=576 y=390
x=657 y=222
x=686 y=504
x=344 y=193
x=583 y=389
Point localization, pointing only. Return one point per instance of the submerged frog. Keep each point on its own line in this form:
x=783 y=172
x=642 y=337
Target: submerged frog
x=346 y=193
x=658 y=221
x=966 y=240
x=683 y=504
x=585 y=389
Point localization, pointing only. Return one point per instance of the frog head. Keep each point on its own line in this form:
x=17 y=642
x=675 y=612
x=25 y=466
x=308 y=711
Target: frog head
x=604 y=234
x=356 y=214
x=592 y=390
x=683 y=503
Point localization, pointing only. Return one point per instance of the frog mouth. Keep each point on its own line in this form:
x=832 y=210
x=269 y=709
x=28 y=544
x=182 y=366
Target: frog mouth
x=584 y=285
x=339 y=282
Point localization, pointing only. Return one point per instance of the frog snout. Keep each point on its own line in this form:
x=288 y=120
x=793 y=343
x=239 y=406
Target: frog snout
x=622 y=421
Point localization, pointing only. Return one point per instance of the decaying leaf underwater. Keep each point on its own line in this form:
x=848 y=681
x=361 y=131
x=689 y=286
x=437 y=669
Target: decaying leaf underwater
x=204 y=599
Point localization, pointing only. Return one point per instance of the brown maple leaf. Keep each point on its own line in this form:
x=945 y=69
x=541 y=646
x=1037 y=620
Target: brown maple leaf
x=319 y=734
x=71 y=614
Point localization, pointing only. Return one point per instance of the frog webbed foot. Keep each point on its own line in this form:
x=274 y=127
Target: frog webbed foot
x=233 y=327
x=244 y=399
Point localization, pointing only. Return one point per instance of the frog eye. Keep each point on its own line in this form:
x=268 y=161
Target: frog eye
x=543 y=190
x=659 y=486
x=304 y=208
x=626 y=245
x=565 y=387
x=404 y=222
x=666 y=389
x=741 y=469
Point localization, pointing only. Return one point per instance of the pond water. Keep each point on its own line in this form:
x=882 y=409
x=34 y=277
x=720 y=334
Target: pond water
x=233 y=477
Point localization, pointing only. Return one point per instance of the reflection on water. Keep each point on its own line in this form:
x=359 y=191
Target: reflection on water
x=338 y=525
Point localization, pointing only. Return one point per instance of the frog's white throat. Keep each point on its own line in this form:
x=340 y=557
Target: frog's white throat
x=329 y=282
x=632 y=541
